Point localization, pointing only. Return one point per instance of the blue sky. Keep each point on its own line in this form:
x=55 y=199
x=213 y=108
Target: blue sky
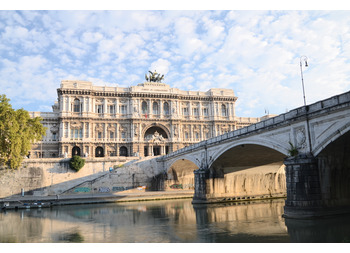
x=255 y=53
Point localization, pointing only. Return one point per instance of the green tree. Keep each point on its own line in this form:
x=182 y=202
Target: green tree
x=17 y=133
x=76 y=163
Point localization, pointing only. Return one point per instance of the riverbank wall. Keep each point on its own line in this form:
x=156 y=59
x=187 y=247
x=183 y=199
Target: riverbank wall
x=51 y=176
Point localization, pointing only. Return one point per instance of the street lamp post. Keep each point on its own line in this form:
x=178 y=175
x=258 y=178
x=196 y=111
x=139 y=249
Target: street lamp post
x=303 y=59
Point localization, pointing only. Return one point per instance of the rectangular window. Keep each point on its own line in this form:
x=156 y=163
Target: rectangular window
x=99 y=109
x=185 y=111
x=111 y=109
x=76 y=108
x=123 y=109
x=111 y=135
x=99 y=135
x=195 y=112
x=53 y=136
x=205 y=112
x=76 y=133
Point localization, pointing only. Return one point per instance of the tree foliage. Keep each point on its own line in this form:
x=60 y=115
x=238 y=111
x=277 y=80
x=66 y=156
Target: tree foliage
x=17 y=133
x=76 y=163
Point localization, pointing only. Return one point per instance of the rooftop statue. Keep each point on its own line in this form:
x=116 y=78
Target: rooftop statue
x=154 y=77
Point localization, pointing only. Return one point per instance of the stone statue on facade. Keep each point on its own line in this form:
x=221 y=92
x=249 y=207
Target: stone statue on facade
x=156 y=138
x=154 y=77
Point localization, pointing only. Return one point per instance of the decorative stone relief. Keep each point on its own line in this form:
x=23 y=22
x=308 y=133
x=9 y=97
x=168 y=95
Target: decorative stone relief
x=300 y=138
x=75 y=125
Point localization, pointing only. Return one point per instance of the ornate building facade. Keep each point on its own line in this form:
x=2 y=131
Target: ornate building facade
x=145 y=120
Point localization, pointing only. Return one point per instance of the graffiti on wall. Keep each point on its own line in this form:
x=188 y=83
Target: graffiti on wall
x=82 y=189
x=176 y=186
x=182 y=186
x=121 y=188
x=104 y=189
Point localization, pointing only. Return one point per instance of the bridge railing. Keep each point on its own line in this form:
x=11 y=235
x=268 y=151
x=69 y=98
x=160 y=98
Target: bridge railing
x=325 y=104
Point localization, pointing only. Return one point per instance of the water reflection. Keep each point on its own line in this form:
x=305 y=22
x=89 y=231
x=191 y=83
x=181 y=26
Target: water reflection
x=168 y=221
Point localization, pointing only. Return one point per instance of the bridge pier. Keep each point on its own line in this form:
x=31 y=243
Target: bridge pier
x=304 y=197
x=200 y=181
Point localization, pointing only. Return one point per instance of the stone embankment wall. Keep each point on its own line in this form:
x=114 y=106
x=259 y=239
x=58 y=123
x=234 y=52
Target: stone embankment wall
x=134 y=174
x=247 y=183
x=51 y=176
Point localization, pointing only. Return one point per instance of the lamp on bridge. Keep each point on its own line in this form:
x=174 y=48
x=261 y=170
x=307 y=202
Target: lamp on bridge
x=303 y=59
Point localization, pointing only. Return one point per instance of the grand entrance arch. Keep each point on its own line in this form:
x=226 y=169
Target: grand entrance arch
x=156 y=141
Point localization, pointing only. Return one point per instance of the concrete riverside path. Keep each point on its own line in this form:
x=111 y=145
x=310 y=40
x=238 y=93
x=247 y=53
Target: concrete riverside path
x=125 y=196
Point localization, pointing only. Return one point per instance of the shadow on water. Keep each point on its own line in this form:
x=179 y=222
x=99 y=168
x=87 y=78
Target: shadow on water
x=332 y=229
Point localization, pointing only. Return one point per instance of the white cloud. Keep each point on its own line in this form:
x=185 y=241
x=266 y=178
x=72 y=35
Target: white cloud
x=91 y=37
x=161 y=65
x=256 y=53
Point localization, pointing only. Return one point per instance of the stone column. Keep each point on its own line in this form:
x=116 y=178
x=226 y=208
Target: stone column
x=200 y=186
x=304 y=198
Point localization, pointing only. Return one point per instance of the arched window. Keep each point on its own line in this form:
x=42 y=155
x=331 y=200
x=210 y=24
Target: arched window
x=144 y=107
x=123 y=151
x=155 y=108
x=223 y=110
x=76 y=105
x=75 y=151
x=166 y=108
x=99 y=152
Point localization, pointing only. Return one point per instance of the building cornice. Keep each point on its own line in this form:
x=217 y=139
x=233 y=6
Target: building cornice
x=82 y=92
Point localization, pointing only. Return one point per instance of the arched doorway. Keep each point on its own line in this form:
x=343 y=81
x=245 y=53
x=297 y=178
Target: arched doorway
x=99 y=152
x=123 y=151
x=156 y=139
x=75 y=151
x=152 y=130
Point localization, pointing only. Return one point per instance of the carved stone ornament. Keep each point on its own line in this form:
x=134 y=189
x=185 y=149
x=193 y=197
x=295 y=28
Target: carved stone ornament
x=54 y=129
x=157 y=138
x=300 y=138
x=75 y=125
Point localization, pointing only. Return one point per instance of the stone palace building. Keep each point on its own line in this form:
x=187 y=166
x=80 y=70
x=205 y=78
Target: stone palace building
x=148 y=119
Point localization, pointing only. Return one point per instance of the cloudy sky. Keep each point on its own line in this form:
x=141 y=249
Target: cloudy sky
x=255 y=53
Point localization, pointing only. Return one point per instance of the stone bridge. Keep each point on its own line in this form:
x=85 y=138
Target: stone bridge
x=311 y=143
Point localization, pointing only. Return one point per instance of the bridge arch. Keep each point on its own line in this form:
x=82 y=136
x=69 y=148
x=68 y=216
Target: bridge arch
x=330 y=135
x=269 y=145
x=180 y=174
x=246 y=170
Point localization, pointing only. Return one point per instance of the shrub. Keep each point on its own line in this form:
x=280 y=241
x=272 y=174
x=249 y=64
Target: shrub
x=292 y=151
x=76 y=163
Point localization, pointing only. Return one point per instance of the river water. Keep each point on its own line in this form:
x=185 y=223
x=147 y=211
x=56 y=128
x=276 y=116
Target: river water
x=168 y=221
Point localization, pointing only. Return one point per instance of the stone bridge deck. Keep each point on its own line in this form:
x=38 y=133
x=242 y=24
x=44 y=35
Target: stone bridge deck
x=326 y=106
